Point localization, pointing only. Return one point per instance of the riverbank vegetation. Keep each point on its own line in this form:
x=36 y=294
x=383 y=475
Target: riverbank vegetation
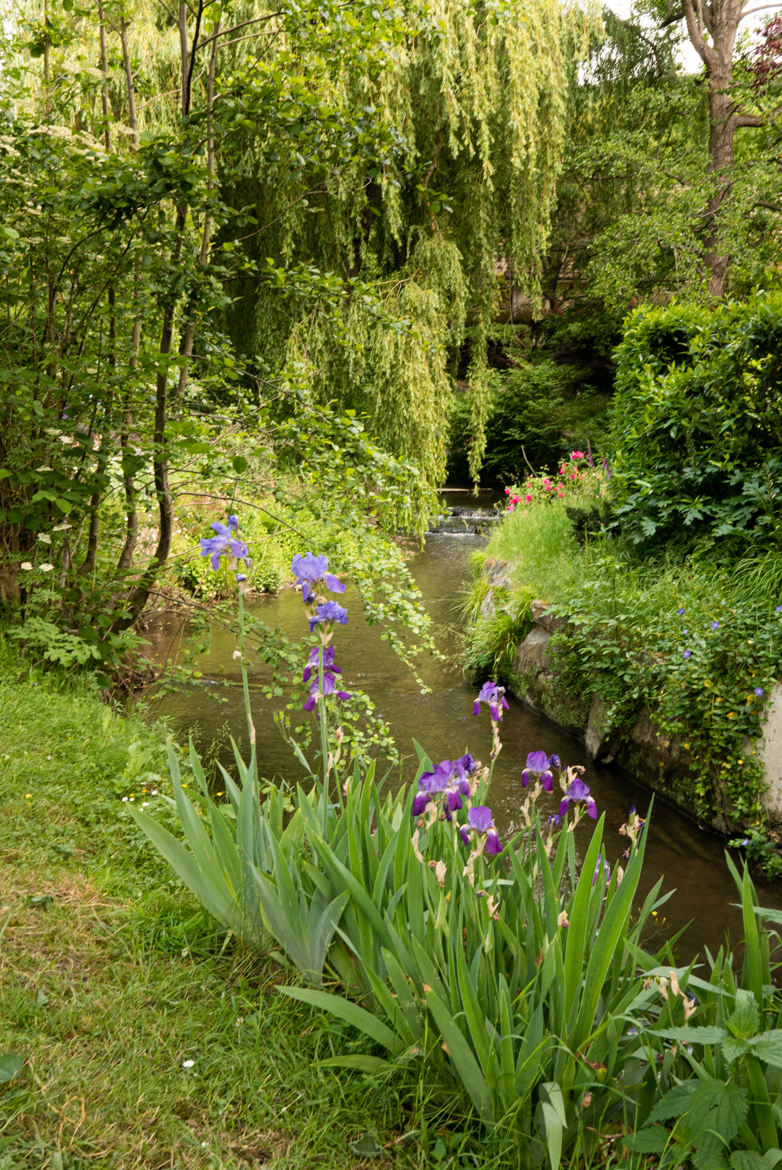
x=665 y=557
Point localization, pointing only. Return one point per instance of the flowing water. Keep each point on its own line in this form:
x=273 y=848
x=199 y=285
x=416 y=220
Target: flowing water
x=690 y=860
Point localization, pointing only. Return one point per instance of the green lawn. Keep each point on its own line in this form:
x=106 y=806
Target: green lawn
x=112 y=983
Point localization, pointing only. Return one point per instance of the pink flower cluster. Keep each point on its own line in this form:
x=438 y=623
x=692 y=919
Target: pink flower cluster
x=566 y=482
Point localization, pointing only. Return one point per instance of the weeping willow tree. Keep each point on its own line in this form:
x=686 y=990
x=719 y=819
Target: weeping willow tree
x=412 y=150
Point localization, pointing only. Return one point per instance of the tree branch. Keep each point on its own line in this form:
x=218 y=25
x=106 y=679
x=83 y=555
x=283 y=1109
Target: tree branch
x=243 y=24
x=758 y=119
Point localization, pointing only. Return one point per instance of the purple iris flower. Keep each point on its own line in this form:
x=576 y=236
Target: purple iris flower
x=479 y=820
x=328 y=611
x=330 y=672
x=577 y=790
x=459 y=784
x=224 y=544
x=309 y=569
x=428 y=787
x=539 y=768
x=312 y=661
x=448 y=779
x=495 y=697
x=554 y=821
x=464 y=765
x=329 y=688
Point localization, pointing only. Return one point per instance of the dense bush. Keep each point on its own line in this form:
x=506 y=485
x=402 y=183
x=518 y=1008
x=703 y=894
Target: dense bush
x=696 y=425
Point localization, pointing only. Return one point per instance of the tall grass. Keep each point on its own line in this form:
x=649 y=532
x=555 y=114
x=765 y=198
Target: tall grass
x=540 y=548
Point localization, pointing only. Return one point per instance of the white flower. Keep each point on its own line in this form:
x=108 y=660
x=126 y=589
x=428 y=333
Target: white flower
x=44 y=538
x=61 y=527
x=188 y=1063
x=46 y=567
x=44 y=467
x=26 y=565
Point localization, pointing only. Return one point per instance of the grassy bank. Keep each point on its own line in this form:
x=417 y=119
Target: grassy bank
x=147 y=1038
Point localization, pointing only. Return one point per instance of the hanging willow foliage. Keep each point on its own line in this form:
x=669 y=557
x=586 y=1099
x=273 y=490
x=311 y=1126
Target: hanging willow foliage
x=374 y=165
x=441 y=136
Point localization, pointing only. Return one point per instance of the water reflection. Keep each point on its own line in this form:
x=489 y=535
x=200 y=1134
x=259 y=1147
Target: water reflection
x=689 y=860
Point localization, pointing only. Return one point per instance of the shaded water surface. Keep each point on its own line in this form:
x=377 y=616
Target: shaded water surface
x=691 y=861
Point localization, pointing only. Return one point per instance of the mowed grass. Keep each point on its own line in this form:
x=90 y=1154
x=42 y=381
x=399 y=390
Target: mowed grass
x=112 y=981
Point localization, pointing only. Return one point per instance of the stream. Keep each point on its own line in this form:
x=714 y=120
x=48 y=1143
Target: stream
x=690 y=860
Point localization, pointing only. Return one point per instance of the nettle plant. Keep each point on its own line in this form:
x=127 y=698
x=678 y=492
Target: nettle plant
x=512 y=971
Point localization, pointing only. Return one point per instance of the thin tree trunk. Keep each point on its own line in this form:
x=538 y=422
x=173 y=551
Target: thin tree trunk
x=160 y=464
x=89 y=564
x=128 y=484
x=721 y=161
x=186 y=347
x=712 y=26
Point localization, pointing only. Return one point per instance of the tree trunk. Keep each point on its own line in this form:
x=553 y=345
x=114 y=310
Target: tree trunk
x=722 y=127
x=712 y=26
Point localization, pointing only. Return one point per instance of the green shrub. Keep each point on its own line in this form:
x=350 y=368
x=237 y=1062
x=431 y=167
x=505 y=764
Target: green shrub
x=696 y=425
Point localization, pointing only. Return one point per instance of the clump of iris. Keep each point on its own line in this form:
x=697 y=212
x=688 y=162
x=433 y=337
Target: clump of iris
x=452 y=786
x=446 y=787
x=311 y=572
x=539 y=774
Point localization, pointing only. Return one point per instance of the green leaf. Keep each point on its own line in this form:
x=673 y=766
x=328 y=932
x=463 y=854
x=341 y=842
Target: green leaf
x=675 y=1102
x=744 y=1021
x=11 y=1065
x=554 y=1120
x=361 y=1062
x=239 y=464
x=751 y=1160
x=768 y=1047
x=351 y=1013
x=462 y=1056
x=367 y=1146
x=649 y=1141
x=707 y=1035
